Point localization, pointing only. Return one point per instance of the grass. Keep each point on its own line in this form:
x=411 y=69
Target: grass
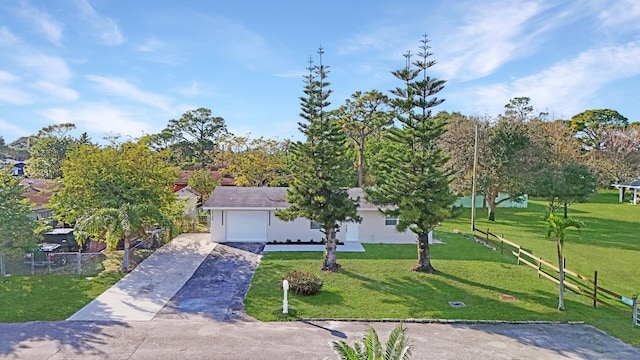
x=378 y=283
x=56 y=297
x=49 y=297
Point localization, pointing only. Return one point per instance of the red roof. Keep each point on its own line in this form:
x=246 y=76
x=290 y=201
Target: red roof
x=39 y=191
x=184 y=175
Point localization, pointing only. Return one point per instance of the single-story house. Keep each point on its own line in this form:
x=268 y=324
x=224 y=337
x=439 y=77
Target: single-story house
x=247 y=214
x=190 y=197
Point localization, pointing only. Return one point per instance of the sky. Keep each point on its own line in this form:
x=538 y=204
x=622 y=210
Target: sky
x=125 y=68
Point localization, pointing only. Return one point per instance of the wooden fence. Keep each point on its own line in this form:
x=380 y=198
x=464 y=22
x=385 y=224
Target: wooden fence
x=579 y=283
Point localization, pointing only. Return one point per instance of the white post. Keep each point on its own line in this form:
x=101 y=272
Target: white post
x=285 y=303
x=635 y=311
x=473 y=183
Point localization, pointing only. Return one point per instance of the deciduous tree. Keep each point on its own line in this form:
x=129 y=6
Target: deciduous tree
x=47 y=149
x=254 y=162
x=17 y=228
x=319 y=167
x=124 y=176
x=415 y=185
x=362 y=116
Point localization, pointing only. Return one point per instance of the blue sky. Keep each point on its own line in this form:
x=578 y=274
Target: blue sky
x=128 y=67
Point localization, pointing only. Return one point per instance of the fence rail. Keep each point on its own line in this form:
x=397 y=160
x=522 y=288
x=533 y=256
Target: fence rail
x=577 y=282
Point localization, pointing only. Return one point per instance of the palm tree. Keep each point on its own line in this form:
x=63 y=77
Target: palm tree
x=397 y=346
x=557 y=226
x=125 y=223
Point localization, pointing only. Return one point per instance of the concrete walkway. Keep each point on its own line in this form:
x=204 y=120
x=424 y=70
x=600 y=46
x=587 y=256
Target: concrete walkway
x=142 y=293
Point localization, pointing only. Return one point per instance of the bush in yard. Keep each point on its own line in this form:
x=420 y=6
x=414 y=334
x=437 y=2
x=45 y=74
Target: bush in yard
x=303 y=283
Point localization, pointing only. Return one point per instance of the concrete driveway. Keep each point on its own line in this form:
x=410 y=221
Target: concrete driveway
x=204 y=319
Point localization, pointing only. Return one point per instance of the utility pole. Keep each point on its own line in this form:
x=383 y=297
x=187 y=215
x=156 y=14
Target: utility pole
x=473 y=183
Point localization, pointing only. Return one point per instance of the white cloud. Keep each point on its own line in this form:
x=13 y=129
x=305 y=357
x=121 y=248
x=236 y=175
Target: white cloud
x=568 y=85
x=622 y=15
x=56 y=92
x=105 y=28
x=14 y=96
x=6 y=37
x=9 y=128
x=151 y=45
x=6 y=77
x=120 y=87
x=492 y=35
x=47 y=68
x=192 y=90
x=98 y=118
x=51 y=29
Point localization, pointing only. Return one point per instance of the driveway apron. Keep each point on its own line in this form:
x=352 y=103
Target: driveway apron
x=218 y=287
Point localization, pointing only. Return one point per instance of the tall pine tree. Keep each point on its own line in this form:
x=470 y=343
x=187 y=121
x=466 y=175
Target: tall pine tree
x=414 y=186
x=321 y=170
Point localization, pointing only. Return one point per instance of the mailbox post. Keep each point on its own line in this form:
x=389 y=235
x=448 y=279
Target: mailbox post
x=285 y=303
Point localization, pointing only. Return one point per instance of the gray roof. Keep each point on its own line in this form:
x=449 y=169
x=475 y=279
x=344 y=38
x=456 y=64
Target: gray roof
x=234 y=197
x=628 y=184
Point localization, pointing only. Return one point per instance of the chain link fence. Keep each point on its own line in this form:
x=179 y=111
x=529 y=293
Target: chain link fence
x=52 y=263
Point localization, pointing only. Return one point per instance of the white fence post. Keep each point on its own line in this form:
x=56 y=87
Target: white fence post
x=2 y=269
x=635 y=311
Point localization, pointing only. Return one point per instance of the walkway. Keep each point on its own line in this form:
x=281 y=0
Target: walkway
x=142 y=293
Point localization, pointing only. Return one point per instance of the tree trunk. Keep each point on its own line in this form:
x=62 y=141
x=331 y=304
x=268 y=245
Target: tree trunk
x=491 y=206
x=330 y=263
x=361 y=163
x=565 y=210
x=125 y=258
x=560 y=276
x=424 y=256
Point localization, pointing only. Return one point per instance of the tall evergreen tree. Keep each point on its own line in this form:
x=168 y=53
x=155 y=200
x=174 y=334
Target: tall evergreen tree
x=322 y=172
x=415 y=186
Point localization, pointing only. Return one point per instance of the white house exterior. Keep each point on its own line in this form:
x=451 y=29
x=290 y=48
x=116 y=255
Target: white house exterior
x=247 y=214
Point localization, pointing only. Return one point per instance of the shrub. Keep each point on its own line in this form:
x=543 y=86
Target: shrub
x=303 y=283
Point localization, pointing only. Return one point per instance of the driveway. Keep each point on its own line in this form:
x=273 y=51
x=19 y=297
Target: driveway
x=204 y=319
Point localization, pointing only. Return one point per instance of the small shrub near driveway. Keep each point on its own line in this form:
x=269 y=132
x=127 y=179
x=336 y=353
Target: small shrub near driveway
x=303 y=283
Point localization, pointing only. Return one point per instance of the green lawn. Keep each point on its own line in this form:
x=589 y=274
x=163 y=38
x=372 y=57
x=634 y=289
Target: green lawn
x=378 y=283
x=49 y=297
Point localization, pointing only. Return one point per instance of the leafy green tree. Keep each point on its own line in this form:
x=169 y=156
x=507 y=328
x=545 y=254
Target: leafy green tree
x=593 y=125
x=320 y=169
x=557 y=227
x=47 y=149
x=397 y=346
x=415 y=185
x=202 y=182
x=362 y=116
x=126 y=223
x=17 y=228
x=505 y=167
x=254 y=162
x=193 y=137
x=564 y=185
x=115 y=177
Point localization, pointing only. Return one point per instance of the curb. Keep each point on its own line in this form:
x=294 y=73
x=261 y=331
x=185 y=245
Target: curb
x=446 y=321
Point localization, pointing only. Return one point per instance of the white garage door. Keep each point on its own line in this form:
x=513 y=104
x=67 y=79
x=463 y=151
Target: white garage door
x=247 y=226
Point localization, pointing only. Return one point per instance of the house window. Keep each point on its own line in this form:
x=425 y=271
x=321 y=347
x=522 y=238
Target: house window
x=391 y=220
x=315 y=225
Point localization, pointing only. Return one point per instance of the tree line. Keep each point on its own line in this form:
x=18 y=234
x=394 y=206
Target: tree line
x=412 y=163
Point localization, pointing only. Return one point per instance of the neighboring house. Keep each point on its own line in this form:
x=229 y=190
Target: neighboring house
x=38 y=192
x=191 y=199
x=246 y=214
x=465 y=201
x=184 y=175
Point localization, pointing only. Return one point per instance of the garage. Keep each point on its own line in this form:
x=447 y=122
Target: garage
x=247 y=226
